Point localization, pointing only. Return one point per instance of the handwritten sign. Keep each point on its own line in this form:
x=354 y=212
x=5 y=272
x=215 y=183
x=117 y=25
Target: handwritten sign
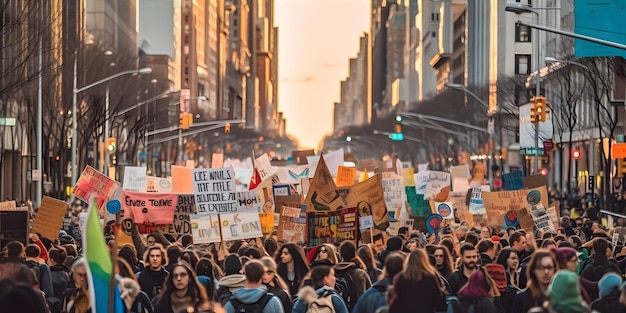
x=345 y=176
x=264 y=166
x=477 y=205
x=395 y=198
x=235 y=226
x=93 y=183
x=8 y=206
x=158 y=184
x=182 y=223
x=248 y=201
x=419 y=206
x=498 y=203
x=437 y=183
x=49 y=218
x=135 y=178
x=421 y=180
x=292 y=223
x=157 y=208
x=214 y=189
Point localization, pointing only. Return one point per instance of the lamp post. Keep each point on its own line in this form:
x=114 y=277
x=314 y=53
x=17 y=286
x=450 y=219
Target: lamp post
x=518 y=9
x=75 y=92
x=490 y=128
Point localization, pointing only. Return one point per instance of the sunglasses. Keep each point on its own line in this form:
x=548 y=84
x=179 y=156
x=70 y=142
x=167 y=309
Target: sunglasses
x=323 y=251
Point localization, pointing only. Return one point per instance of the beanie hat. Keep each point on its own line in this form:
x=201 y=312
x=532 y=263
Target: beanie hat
x=563 y=254
x=564 y=292
x=495 y=238
x=393 y=243
x=498 y=274
x=476 y=287
x=608 y=283
x=232 y=264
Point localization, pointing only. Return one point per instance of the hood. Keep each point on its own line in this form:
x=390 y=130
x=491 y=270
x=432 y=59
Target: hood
x=59 y=268
x=129 y=287
x=382 y=284
x=250 y=295
x=232 y=281
x=344 y=266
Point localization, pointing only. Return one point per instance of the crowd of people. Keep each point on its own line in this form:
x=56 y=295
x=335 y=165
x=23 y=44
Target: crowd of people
x=491 y=270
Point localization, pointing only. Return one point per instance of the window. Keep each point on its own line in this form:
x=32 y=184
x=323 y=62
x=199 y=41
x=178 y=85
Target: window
x=434 y=17
x=522 y=33
x=434 y=34
x=522 y=64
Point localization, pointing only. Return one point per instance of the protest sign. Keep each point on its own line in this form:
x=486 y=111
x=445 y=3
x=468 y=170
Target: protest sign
x=498 y=203
x=234 y=226
x=323 y=191
x=49 y=217
x=158 y=184
x=182 y=182
x=459 y=175
x=408 y=178
x=292 y=223
x=332 y=160
x=438 y=184
x=217 y=160
x=332 y=227
x=445 y=210
x=93 y=183
x=477 y=205
x=249 y=201
x=419 y=206
x=14 y=225
x=150 y=207
x=395 y=199
x=214 y=189
x=8 y=206
x=135 y=178
x=421 y=180
x=264 y=166
x=513 y=180
x=182 y=223
x=345 y=176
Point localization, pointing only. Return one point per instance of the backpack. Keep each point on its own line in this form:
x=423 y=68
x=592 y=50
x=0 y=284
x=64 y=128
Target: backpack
x=348 y=287
x=223 y=295
x=256 y=307
x=34 y=266
x=317 y=304
x=454 y=305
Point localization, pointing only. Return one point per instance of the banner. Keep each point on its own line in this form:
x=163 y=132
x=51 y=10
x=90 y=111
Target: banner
x=419 y=206
x=150 y=207
x=332 y=227
x=135 y=178
x=438 y=182
x=49 y=218
x=93 y=183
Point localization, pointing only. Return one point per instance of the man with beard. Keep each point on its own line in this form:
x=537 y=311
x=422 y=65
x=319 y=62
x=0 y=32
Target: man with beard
x=458 y=278
x=152 y=277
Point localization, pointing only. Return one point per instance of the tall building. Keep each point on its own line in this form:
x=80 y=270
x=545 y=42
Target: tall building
x=352 y=109
x=114 y=23
x=266 y=69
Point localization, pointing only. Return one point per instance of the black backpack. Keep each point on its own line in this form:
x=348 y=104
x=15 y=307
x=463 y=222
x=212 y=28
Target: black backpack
x=347 y=286
x=256 y=307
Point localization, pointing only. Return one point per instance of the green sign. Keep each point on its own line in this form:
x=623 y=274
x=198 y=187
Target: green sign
x=7 y=121
x=397 y=136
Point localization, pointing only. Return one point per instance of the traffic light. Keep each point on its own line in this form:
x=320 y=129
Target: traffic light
x=543 y=171
x=184 y=121
x=534 y=118
x=541 y=107
x=111 y=145
x=576 y=154
x=227 y=128
x=397 y=134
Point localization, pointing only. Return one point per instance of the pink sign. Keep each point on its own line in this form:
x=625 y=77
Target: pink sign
x=93 y=183
x=150 y=207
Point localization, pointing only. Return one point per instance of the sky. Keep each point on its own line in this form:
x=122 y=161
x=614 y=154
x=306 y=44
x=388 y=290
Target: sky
x=316 y=39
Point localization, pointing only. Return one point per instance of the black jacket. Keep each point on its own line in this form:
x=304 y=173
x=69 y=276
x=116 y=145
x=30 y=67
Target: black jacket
x=60 y=280
x=609 y=304
x=151 y=281
x=456 y=280
x=596 y=268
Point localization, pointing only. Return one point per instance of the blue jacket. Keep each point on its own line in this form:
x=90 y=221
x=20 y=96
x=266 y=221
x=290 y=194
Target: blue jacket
x=252 y=295
x=373 y=298
x=338 y=303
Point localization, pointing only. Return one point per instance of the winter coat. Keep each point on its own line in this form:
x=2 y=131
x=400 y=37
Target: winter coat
x=135 y=300
x=307 y=294
x=253 y=295
x=609 y=304
x=374 y=298
x=227 y=287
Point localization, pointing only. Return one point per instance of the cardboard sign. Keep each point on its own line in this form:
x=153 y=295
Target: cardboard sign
x=535 y=181
x=332 y=227
x=214 y=189
x=498 y=203
x=438 y=186
x=292 y=225
x=345 y=176
x=182 y=181
x=49 y=218
x=217 y=160
x=158 y=184
x=135 y=178
x=525 y=220
x=332 y=159
x=395 y=199
x=93 y=183
x=322 y=191
x=8 y=206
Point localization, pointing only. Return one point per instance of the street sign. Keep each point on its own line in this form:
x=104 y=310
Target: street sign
x=548 y=145
x=531 y=151
x=397 y=136
x=7 y=121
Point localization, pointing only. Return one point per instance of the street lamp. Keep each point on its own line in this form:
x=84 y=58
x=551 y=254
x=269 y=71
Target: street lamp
x=518 y=9
x=553 y=60
x=75 y=92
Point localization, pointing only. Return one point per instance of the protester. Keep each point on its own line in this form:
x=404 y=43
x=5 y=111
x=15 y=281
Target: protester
x=508 y=258
x=352 y=279
x=254 y=293
x=375 y=297
x=367 y=256
x=181 y=290
x=232 y=281
x=541 y=268
x=564 y=293
x=292 y=266
x=321 y=292
x=609 y=295
x=275 y=284
x=443 y=261
x=153 y=276
x=478 y=294
x=469 y=259
x=77 y=298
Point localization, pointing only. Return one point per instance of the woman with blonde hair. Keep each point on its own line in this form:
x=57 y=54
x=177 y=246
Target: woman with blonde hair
x=418 y=286
x=275 y=284
x=327 y=252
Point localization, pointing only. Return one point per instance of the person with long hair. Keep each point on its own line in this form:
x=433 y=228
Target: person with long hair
x=327 y=252
x=133 y=298
x=541 y=267
x=443 y=261
x=418 y=286
x=567 y=259
x=181 y=290
x=375 y=298
x=275 y=284
x=479 y=293
x=292 y=266
x=365 y=254
x=322 y=286
x=508 y=258
x=208 y=275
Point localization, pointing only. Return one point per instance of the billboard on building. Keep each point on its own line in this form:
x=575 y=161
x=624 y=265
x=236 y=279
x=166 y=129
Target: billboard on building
x=599 y=19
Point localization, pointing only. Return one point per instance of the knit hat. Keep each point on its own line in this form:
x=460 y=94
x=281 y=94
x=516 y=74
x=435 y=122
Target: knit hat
x=498 y=274
x=232 y=264
x=608 y=283
x=563 y=254
x=476 y=287
x=564 y=292
x=495 y=238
